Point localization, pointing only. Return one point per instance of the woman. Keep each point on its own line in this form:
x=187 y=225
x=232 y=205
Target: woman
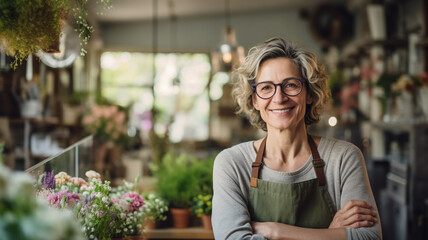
x=289 y=185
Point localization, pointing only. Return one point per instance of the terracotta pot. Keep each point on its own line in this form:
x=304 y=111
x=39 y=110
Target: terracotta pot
x=180 y=217
x=206 y=221
x=149 y=224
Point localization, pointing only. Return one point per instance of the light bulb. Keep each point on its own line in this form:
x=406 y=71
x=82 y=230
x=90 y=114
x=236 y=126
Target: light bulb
x=227 y=57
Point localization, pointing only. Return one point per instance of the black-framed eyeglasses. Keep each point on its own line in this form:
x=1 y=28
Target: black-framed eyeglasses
x=289 y=86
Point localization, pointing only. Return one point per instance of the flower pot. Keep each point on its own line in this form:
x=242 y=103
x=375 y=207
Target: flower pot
x=149 y=224
x=206 y=221
x=180 y=217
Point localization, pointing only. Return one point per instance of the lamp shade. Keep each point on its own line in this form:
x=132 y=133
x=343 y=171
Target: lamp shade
x=228 y=54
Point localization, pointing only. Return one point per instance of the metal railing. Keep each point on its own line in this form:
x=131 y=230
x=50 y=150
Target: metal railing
x=74 y=159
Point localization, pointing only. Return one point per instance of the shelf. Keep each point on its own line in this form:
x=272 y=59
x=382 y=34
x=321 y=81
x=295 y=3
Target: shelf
x=173 y=233
x=391 y=43
x=398 y=127
x=176 y=233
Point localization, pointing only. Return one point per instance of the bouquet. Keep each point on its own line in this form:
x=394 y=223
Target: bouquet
x=103 y=212
x=131 y=213
x=106 y=123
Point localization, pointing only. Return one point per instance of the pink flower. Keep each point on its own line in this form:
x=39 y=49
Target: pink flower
x=136 y=201
x=120 y=118
x=92 y=174
x=56 y=198
x=78 y=181
x=88 y=120
x=62 y=178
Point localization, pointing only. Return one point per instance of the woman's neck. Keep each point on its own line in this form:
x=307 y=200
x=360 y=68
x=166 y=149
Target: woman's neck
x=287 y=150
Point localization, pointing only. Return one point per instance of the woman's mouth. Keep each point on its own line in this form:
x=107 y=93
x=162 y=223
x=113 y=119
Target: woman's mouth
x=281 y=110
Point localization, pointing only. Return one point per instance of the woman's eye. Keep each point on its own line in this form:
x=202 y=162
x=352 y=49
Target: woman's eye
x=266 y=88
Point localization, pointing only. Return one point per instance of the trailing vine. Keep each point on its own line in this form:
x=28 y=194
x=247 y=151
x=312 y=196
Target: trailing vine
x=28 y=26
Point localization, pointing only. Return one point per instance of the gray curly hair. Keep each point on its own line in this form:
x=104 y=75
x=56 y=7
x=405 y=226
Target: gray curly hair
x=309 y=68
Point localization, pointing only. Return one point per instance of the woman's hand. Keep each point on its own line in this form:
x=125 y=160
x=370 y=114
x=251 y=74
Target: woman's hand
x=354 y=214
x=266 y=229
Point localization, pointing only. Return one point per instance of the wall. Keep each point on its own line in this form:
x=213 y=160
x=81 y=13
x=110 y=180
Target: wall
x=203 y=34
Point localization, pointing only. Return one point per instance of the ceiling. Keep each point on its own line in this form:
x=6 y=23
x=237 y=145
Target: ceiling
x=137 y=10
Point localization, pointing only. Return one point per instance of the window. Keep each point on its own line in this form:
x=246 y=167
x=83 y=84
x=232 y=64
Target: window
x=178 y=91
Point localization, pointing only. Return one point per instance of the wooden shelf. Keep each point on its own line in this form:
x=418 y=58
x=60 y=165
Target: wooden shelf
x=176 y=233
x=173 y=233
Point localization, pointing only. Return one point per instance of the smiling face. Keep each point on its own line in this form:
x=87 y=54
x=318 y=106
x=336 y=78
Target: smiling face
x=281 y=112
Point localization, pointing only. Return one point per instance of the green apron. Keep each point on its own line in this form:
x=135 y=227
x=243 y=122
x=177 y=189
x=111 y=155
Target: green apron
x=303 y=204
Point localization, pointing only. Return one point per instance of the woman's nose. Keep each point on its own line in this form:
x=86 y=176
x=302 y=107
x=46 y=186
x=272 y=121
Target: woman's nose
x=279 y=96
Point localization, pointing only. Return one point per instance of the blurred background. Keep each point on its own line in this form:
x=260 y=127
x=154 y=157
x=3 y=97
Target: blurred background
x=156 y=79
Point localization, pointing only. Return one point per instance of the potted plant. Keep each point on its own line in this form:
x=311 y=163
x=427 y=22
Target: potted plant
x=385 y=82
x=154 y=210
x=28 y=26
x=108 y=125
x=202 y=207
x=177 y=184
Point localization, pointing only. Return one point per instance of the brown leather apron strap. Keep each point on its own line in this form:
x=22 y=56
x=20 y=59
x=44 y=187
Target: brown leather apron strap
x=317 y=161
x=256 y=165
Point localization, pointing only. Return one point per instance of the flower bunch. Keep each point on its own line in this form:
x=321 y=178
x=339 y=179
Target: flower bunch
x=25 y=217
x=155 y=207
x=102 y=211
x=131 y=213
x=404 y=83
x=63 y=199
x=105 y=122
x=64 y=182
x=202 y=204
x=96 y=212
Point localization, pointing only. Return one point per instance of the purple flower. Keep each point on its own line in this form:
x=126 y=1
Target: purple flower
x=49 y=180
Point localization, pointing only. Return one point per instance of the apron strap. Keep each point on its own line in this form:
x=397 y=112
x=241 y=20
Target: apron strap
x=256 y=165
x=317 y=161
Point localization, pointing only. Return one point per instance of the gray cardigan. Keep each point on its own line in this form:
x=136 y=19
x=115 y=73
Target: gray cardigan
x=345 y=172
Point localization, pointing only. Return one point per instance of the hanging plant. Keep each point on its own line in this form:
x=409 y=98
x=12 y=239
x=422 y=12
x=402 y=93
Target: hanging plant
x=28 y=26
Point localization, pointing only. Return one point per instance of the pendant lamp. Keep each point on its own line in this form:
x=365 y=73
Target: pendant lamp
x=228 y=54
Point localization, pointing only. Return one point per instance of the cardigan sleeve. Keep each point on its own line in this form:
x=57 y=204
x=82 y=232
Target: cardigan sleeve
x=355 y=185
x=230 y=215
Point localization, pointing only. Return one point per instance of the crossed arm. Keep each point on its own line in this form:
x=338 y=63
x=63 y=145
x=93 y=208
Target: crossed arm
x=354 y=214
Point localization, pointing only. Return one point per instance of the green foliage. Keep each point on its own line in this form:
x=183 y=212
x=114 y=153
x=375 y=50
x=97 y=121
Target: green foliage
x=336 y=81
x=202 y=204
x=176 y=182
x=385 y=82
x=29 y=26
x=202 y=170
x=78 y=97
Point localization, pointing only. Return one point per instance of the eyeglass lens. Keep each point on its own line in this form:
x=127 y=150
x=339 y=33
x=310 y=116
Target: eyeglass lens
x=290 y=87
